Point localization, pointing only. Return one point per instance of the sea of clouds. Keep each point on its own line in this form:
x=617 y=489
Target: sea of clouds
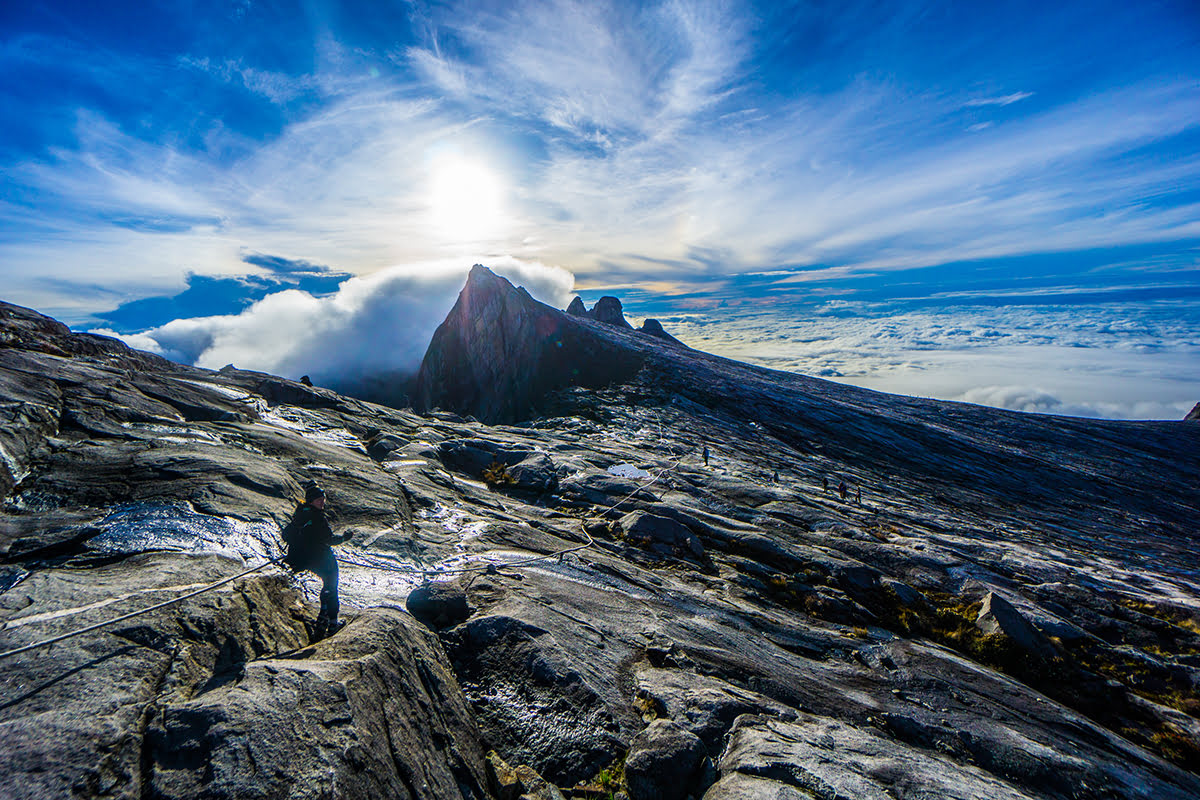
x=1117 y=361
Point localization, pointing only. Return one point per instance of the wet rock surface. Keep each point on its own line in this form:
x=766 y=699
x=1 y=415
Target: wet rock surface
x=1012 y=610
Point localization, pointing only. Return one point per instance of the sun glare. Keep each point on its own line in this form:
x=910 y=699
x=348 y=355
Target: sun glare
x=466 y=200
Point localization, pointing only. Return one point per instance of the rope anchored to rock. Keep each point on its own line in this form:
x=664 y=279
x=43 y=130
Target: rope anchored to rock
x=97 y=626
x=490 y=566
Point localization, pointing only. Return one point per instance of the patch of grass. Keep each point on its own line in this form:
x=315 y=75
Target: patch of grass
x=1181 y=633
x=1093 y=678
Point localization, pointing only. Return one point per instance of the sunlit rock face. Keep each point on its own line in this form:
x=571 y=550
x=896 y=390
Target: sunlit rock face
x=999 y=605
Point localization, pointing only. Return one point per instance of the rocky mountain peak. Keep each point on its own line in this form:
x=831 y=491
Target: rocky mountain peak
x=499 y=351
x=652 y=327
x=1194 y=414
x=608 y=310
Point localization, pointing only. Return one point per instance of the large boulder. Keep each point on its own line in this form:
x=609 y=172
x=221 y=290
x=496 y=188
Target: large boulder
x=998 y=616
x=666 y=762
x=372 y=712
x=532 y=698
x=662 y=535
x=821 y=757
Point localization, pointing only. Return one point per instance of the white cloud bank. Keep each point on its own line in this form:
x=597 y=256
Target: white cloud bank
x=1119 y=361
x=372 y=326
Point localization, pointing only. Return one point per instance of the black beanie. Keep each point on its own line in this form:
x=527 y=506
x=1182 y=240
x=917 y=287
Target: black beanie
x=312 y=492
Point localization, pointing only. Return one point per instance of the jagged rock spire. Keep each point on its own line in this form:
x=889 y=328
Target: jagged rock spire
x=499 y=351
x=608 y=310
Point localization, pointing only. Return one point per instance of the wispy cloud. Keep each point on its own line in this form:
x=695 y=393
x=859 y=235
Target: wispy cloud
x=1003 y=100
x=669 y=146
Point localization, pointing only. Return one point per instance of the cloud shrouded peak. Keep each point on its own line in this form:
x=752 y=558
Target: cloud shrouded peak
x=373 y=325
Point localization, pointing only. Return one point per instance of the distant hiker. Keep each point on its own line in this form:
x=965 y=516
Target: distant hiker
x=775 y=477
x=307 y=381
x=706 y=455
x=310 y=547
x=842 y=490
x=858 y=495
x=825 y=482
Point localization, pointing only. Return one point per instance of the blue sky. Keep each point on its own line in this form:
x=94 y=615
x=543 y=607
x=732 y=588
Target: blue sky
x=734 y=167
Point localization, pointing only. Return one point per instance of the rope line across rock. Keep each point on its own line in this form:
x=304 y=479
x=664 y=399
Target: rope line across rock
x=558 y=554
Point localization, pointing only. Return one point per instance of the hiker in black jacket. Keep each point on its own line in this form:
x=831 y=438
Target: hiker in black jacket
x=310 y=546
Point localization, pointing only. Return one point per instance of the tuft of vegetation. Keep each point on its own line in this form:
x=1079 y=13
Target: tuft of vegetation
x=497 y=475
x=649 y=707
x=604 y=785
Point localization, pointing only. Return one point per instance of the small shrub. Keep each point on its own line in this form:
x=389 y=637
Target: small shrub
x=497 y=474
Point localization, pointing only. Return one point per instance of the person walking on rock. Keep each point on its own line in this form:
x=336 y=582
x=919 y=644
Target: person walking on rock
x=310 y=547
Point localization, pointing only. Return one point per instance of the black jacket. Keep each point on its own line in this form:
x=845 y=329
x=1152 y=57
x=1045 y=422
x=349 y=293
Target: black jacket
x=308 y=535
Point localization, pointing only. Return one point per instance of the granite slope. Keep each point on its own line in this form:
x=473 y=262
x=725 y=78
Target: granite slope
x=1010 y=610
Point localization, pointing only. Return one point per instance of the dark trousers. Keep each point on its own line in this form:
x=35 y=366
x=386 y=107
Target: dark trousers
x=323 y=564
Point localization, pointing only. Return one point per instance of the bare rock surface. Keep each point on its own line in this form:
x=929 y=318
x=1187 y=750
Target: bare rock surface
x=666 y=762
x=830 y=760
x=371 y=712
x=637 y=538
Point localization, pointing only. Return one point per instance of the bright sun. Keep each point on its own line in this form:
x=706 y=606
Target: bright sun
x=466 y=199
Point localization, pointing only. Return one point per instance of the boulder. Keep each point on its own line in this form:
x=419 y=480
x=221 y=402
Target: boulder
x=382 y=446
x=740 y=786
x=473 y=456
x=532 y=698
x=704 y=705
x=904 y=594
x=368 y=714
x=666 y=762
x=998 y=616
x=519 y=783
x=278 y=391
x=536 y=473
x=661 y=534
